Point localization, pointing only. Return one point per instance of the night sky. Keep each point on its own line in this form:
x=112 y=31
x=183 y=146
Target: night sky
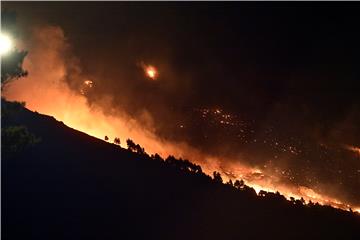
x=277 y=83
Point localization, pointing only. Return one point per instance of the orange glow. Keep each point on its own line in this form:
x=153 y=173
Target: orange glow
x=88 y=83
x=354 y=149
x=151 y=72
x=45 y=91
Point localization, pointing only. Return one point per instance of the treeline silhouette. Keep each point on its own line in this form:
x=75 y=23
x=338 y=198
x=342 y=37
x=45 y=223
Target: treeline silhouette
x=186 y=166
x=70 y=185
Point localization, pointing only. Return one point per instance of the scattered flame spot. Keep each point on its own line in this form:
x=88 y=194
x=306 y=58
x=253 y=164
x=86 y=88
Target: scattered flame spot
x=151 y=72
x=353 y=149
x=87 y=84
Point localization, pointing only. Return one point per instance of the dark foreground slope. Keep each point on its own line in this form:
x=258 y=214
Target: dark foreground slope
x=73 y=186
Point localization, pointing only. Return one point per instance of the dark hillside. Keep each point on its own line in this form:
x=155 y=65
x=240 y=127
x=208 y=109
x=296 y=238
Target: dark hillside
x=73 y=186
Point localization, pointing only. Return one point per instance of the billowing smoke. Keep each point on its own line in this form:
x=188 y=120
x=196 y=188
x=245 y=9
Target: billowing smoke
x=46 y=90
x=57 y=86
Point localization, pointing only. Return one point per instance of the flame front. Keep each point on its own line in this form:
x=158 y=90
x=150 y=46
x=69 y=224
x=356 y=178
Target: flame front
x=47 y=69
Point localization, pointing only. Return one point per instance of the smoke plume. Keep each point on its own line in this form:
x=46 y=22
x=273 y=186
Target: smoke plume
x=57 y=86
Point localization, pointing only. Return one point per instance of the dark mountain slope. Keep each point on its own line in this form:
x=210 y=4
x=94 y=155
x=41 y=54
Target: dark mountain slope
x=73 y=186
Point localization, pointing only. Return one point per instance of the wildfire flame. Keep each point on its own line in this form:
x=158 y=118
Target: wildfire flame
x=151 y=72
x=47 y=70
x=87 y=84
x=269 y=182
x=354 y=149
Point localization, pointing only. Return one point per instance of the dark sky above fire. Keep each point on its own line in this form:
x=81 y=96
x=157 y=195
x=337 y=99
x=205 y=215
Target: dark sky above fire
x=277 y=83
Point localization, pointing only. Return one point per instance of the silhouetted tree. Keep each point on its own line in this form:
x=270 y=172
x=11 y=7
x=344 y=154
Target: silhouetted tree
x=195 y=168
x=106 y=138
x=117 y=141
x=157 y=157
x=249 y=191
x=262 y=193
x=217 y=177
x=300 y=202
x=131 y=145
x=230 y=183
x=239 y=184
x=183 y=164
x=139 y=149
x=135 y=147
x=171 y=160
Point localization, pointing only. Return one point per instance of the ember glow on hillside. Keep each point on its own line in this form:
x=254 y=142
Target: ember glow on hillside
x=72 y=108
x=228 y=114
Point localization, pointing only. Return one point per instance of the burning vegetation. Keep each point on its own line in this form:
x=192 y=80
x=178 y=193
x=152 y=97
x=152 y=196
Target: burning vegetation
x=57 y=99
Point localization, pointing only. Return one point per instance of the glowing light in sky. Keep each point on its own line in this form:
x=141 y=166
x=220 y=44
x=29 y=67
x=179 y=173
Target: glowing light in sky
x=151 y=72
x=5 y=44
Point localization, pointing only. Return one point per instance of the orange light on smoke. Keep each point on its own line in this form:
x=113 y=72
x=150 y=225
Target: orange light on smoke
x=61 y=102
x=88 y=83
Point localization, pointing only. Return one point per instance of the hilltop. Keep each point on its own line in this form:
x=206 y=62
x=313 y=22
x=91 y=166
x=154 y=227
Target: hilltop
x=69 y=185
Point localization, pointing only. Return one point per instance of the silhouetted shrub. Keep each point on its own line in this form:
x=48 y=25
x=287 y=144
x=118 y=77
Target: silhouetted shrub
x=239 y=184
x=131 y=145
x=135 y=147
x=230 y=182
x=157 y=157
x=217 y=177
x=117 y=141
x=16 y=138
x=184 y=165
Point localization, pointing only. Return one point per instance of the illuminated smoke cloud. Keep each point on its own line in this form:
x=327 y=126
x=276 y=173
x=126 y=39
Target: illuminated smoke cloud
x=52 y=68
